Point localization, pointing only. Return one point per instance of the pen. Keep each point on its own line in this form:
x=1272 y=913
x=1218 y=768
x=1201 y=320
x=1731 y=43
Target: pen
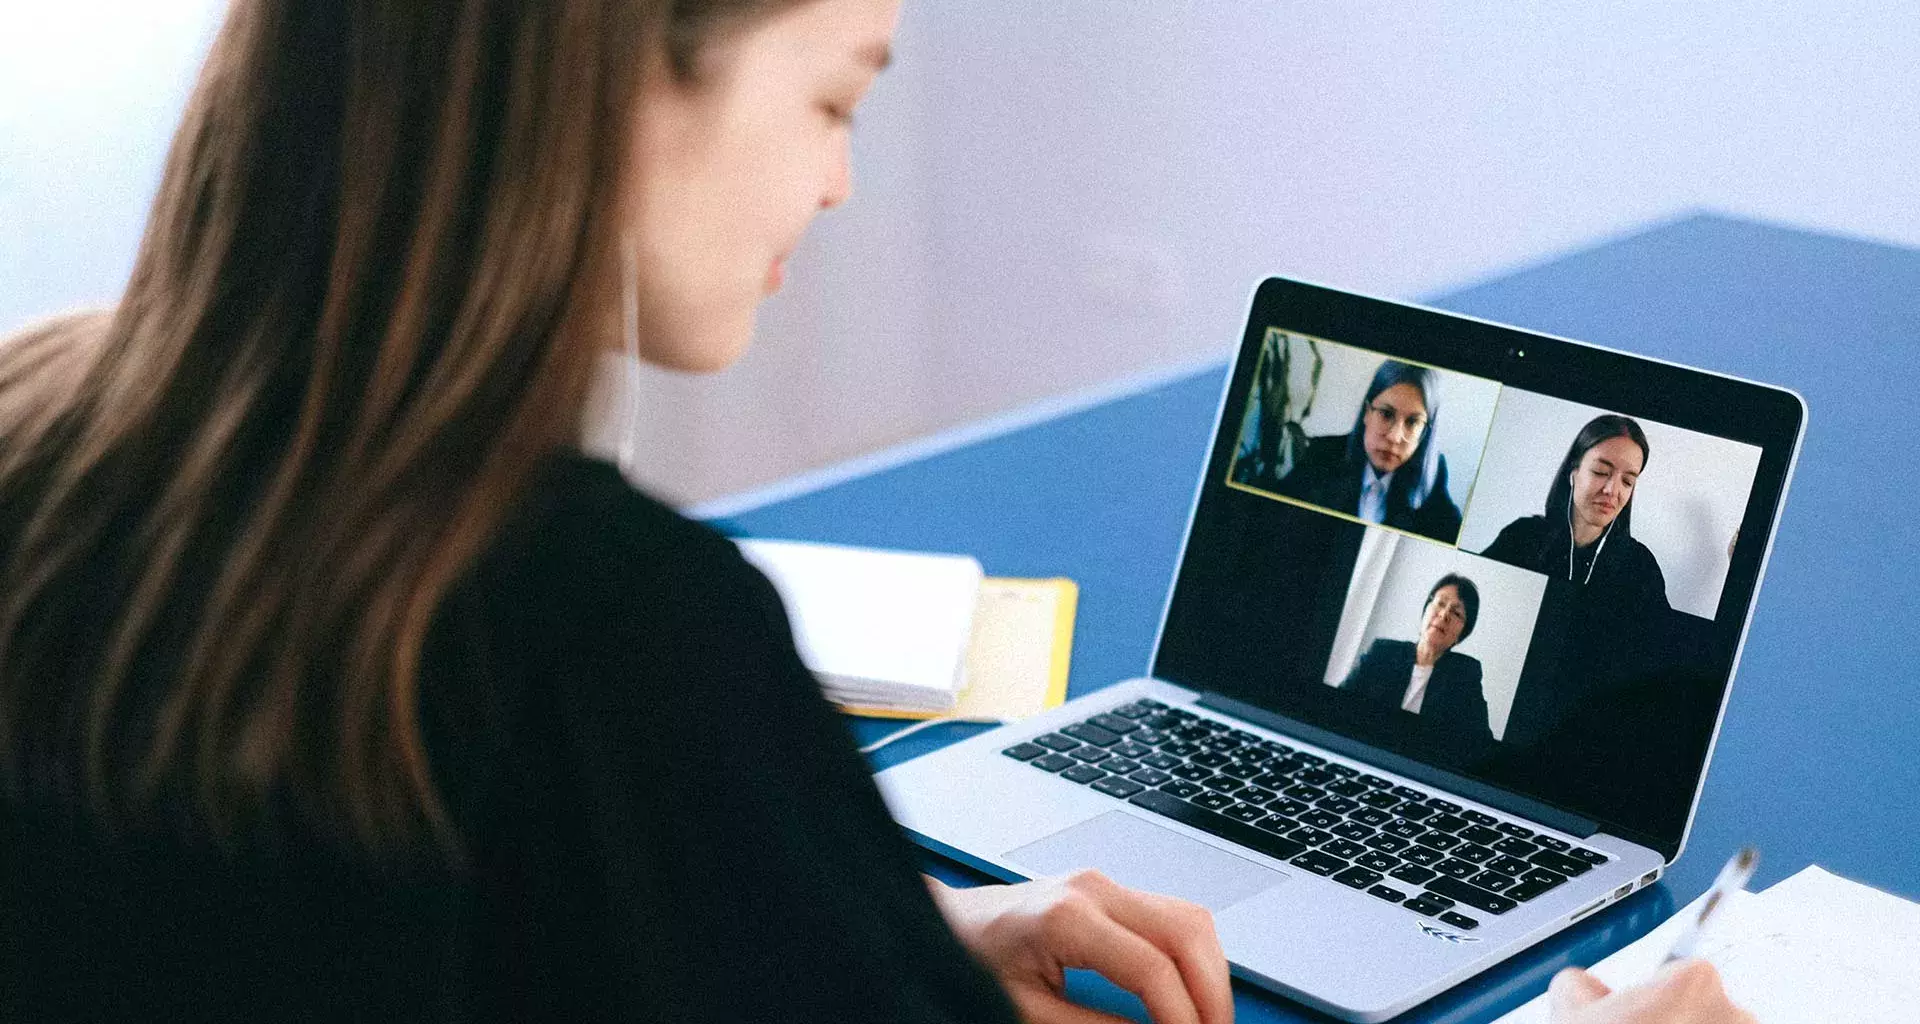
x=1732 y=878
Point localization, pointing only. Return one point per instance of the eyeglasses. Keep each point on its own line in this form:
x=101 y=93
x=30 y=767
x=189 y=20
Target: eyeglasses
x=1386 y=417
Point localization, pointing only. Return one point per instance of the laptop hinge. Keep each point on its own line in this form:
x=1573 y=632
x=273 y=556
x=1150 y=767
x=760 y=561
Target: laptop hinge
x=1512 y=803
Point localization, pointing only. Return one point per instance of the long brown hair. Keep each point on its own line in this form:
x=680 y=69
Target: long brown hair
x=230 y=508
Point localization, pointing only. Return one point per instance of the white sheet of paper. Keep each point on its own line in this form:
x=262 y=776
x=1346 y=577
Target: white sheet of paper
x=865 y=616
x=1814 y=949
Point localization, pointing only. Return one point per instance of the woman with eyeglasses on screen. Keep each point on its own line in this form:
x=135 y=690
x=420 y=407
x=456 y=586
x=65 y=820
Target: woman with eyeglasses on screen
x=336 y=683
x=1387 y=469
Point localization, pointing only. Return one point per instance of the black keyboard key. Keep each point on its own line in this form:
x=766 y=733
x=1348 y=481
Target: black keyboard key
x=1024 y=751
x=1494 y=881
x=1314 y=776
x=1474 y=853
x=1388 y=893
x=1589 y=856
x=1377 y=861
x=1149 y=777
x=1272 y=781
x=1443 y=805
x=1222 y=745
x=1509 y=866
x=1147 y=737
x=1114 y=785
x=1312 y=759
x=1414 y=874
x=1379 y=799
x=1351 y=830
x=1114 y=724
x=1161 y=760
x=1162 y=721
x=1410 y=793
x=1423 y=904
x=1222 y=784
x=1307 y=793
x=1319 y=818
x=1471 y=895
x=1255 y=755
x=1248 y=813
x=1478 y=818
x=1149 y=702
x=1132 y=750
x=1132 y=712
x=1120 y=765
x=1343 y=770
x=1387 y=844
x=1459 y=920
x=1404 y=829
x=1243 y=770
x=1307 y=835
x=1348 y=787
x=1440 y=841
x=1157 y=801
x=1211 y=759
x=1336 y=804
x=1318 y=863
x=1557 y=862
x=1093 y=734
x=1053 y=762
x=1556 y=845
x=1515 y=847
x=1056 y=741
x=1371 y=816
x=1457 y=868
x=1190 y=772
x=1528 y=888
x=1345 y=849
x=1180 y=788
x=1357 y=877
x=1083 y=773
x=1179 y=748
x=1443 y=822
x=1089 y=754
x=1377 y=782
x=1278 y=823
x=1285 y=805
x=1516 y=831
x=1479 y=834
x=1182 y=714
x=1192 y=732
x=1415 y=812
x=1549 y=878
x=1256 y=795
x=1422 y=855
x=1214 y=801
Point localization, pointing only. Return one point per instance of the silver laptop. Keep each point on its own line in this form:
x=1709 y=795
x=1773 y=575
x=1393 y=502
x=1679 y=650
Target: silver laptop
x=1441 y=668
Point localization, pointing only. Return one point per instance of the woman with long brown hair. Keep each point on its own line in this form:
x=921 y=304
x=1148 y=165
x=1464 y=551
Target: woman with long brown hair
x=337 y=683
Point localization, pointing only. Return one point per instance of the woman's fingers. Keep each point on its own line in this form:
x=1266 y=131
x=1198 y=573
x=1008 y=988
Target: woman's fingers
x=1574 y=988
x=1082 y=933
x=1183 y=931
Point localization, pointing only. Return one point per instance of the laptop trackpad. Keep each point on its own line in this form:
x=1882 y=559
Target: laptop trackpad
x=1141 y=855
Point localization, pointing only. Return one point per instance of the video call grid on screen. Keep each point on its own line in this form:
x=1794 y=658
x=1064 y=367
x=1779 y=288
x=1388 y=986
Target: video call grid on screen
x=1321 y=395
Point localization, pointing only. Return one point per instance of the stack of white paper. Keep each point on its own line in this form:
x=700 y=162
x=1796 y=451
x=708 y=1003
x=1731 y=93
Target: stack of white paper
x=1814 y=949
x=882 y=629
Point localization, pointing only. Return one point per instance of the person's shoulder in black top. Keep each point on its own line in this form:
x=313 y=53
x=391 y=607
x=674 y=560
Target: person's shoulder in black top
x=677 y=778
x=662 y=820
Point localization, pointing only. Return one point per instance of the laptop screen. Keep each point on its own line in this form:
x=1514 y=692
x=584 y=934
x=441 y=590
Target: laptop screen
x=1517 y=559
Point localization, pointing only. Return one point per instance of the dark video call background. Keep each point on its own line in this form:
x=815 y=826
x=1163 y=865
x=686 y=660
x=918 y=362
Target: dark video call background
x=1601 y=700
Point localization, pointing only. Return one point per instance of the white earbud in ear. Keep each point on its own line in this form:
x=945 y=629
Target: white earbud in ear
x=630 y=334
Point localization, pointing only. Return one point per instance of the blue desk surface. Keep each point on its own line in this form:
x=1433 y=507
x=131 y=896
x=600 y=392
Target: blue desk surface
x=1819 y=757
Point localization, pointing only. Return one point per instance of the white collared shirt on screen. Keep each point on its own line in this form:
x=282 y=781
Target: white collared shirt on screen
x=1373 y=494
x=1417 y=689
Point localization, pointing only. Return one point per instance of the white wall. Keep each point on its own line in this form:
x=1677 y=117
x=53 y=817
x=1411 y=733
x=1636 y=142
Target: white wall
x=1064 y=193
x=1509 y=605
x=1686 y=507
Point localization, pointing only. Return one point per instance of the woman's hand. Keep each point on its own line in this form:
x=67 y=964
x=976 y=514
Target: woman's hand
x=1161 y=949
x=1688 y=992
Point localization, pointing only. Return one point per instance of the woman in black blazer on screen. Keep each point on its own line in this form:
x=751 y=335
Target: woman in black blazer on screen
x=1424 y=684
x=1387 y=469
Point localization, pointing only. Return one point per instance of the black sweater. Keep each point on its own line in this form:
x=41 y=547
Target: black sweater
x=666 y=823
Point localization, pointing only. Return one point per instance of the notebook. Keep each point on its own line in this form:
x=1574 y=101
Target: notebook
x=1813 y=949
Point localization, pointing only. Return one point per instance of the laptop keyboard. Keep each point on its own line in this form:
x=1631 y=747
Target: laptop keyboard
x=1396 y=843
